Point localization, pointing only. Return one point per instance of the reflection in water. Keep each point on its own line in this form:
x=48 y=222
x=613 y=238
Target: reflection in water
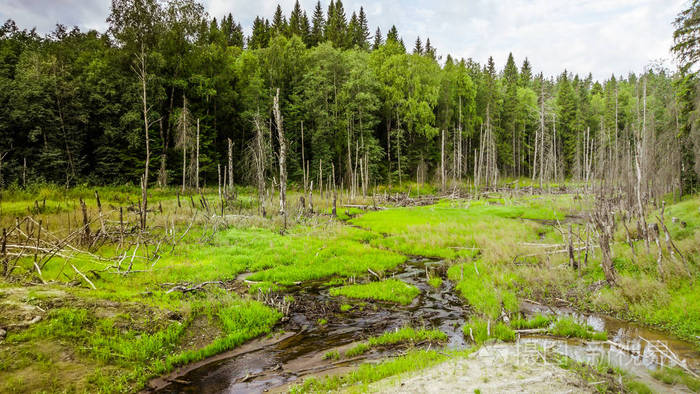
x=630 y=346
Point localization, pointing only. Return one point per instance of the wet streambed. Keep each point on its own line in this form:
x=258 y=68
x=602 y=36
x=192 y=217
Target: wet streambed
x=302 y=351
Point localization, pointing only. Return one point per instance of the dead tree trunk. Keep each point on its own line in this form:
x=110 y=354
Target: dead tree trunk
x=197 y=160
x=163 y=173
x=141 y=71
x=442 y=161
x=303 y=160
x=604 y=222
x=230 y=169
x=260 y=164
x=282 y=157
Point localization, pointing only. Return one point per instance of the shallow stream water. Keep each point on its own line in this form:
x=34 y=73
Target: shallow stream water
x=302 y=353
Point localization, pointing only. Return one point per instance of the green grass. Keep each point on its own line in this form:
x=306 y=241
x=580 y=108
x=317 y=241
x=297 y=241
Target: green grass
x=140 y=354
x=602 y=376
x=569 y=328
x=672 y=376
x=538 y=321
x=360 y=348
x=369 y=373
x=486 y=288
x=403 y=335
x=345 y=307
x=331 y=355
x=482 y=331
x=435 y=282
x=453 y=229
x=391 y=290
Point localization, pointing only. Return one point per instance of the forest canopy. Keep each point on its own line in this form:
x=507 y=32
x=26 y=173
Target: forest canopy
x=75 y=106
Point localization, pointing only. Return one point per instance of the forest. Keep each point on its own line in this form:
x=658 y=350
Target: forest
x=319 y=206
x=359 y=107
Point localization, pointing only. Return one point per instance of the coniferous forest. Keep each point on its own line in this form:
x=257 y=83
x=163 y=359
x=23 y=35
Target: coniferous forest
x=74 y=105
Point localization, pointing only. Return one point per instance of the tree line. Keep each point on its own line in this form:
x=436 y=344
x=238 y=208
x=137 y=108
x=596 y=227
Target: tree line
x=170 y=90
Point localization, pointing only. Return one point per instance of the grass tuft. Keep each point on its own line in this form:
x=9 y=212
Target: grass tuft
x=570 y=328
x=391 y=290
x=481 y=331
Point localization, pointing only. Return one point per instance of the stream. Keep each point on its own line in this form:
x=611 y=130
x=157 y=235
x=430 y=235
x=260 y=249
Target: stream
x=301 y=351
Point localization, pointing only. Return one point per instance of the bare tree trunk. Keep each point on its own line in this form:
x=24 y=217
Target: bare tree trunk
x=442 y=161
x=398 y=143
x=282 y=157
x=260 y=164
x=162 y=172
x=197 y=160
x=603 y=219
x=638 y=164
x=230 y=168
x=142 y=74
x=303 y=159
x=183 y=140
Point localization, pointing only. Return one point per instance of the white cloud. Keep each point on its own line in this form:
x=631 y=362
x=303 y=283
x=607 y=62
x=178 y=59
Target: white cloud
x=599 y=36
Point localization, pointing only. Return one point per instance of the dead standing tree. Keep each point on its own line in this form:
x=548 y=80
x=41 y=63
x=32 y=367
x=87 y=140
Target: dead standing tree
x=260 y=160
x=603 y=219
x=140 y=69
x=282 y=157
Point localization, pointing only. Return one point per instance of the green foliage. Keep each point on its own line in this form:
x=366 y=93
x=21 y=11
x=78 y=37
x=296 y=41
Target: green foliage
x=391 y=290
x=332 y=355
x=487 y=290
x=539 y=321
x=141 y=354
x=483 y=330
x=435 y=282
x=672 y=376
x=404 y=335
x=368 y=373
x=568 y=327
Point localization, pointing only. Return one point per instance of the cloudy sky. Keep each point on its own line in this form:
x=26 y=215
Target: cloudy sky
x=602 y=36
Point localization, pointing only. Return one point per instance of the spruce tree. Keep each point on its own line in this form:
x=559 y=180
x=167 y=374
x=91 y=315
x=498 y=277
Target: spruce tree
x=295 y=21
x=328 y=33
x=318 y=26
x=509 y=137
x=260 y=36
x=353 y=31
x=279 y=22
x=364 y=29
x=393 y=34
x=305 y=30
x=336 y=27
x=418 y=47
x=377 y=39
x=429 y=49
x=525 y=74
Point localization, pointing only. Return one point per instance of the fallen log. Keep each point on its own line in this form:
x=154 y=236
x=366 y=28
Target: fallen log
x=184 y=289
